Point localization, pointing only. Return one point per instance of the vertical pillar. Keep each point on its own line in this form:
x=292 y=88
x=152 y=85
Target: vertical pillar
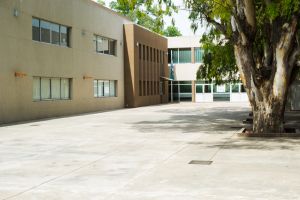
x=171 y=91
x=193 y=54
x=193 y=91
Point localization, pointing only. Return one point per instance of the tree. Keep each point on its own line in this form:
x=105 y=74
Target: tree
x=172 y=31
x=264 y=35
x=147 y=13
x=218 y=59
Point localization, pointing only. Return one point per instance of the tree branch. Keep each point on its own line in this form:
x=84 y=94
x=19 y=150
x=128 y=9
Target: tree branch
x=218 y=25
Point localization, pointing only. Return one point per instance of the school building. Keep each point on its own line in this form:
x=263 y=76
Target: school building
x=65 y=57
x=185 y=58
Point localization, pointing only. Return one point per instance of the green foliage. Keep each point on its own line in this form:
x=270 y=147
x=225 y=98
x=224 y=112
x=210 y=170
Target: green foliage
x=172 y=31
x=283 y=8
x=219 y=61
x=147 y=13
x=219 y=53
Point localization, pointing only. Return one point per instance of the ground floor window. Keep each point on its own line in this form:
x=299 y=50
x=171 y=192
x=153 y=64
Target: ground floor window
x=182 y=90
x=105 y=88
x=206 y=91
x=45 y=88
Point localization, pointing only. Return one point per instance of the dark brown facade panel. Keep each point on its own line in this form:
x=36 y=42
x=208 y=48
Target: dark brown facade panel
x=148 y=67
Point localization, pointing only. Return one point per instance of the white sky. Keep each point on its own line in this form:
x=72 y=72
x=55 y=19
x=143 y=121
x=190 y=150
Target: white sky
x=181 y=20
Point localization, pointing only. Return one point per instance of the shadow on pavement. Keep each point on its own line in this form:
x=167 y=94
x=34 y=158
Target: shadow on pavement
x=216 y=120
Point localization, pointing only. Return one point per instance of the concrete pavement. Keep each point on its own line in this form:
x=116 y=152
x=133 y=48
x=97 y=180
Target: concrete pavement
x=143 y=154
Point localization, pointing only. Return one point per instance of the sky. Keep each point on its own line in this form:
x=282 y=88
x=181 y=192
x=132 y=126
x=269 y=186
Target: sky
x=181 y=20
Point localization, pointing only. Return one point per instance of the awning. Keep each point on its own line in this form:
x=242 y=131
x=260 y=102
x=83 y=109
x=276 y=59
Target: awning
x=166 y=78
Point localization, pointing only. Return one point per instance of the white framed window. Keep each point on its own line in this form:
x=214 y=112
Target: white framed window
x=105 y=88
x=36 y=88
x=45 y=88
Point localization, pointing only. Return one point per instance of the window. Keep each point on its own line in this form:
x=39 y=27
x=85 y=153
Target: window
x=55 y=87
x=105 y=45
x=104 y=88
x=65 y=88
x=48 y=32
x=51 y=88
x=36 y=88
x=36 y=29
x=207 y=88
x=198 y=55
x=183 y=55
x=199 y=88
x=45 y=31
x=64 y=40
x=45 y=88
x=173 y=56
x=235 y=88
x=55 y=33
x=112 y=88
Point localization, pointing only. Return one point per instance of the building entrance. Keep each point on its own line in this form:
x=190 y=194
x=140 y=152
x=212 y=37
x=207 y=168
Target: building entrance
x=207 y=92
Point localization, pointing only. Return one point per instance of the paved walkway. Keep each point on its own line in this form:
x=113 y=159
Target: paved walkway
x=143 y=154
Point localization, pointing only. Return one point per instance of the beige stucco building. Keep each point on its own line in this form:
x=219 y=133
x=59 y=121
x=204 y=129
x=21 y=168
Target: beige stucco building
x=59 y=57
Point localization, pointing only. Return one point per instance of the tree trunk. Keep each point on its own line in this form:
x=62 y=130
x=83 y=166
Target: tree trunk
x=268 y=117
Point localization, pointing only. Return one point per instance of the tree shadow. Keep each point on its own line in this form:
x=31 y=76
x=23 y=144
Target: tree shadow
x=217 y=120
x=267 y=144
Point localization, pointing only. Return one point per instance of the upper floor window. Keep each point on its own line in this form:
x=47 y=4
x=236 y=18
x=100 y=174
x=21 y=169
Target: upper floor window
x=105 y=45
x=182 y=55
x=198 y=55
x=185 y=55
x=48 y=32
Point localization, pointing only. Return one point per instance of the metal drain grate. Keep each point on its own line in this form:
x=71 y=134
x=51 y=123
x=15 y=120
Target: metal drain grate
x=200 y=162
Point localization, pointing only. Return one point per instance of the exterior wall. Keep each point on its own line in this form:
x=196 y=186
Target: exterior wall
x=144 y=68
x=185 y=77
x=19 y=53
x=183 y=41
x=184 y=72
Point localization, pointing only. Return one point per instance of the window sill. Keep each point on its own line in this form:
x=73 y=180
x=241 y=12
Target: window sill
x=55 y=45
x=105 y=97
x=49 y=100
x=106 y=54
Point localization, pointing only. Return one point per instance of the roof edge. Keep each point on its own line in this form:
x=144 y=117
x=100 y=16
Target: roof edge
x=108 y=9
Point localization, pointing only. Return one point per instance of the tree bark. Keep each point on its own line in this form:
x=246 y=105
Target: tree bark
x=266 y=83
x=268 y=117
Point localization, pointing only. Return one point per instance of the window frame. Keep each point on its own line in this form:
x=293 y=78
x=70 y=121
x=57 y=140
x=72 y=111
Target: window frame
x=68 y=30
x=196 y=49
x=50 y=89
x=103 y=94
x=109 y=40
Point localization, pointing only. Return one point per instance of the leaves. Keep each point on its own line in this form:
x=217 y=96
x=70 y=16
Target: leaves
x=219 y=62
x=147 y=13
x=270 y=15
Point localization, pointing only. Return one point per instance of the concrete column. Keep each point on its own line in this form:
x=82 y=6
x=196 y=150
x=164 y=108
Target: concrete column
x=193 y=91
x=193 y=54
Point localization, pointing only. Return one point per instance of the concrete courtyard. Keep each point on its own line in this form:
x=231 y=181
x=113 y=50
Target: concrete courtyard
x=144 y=154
